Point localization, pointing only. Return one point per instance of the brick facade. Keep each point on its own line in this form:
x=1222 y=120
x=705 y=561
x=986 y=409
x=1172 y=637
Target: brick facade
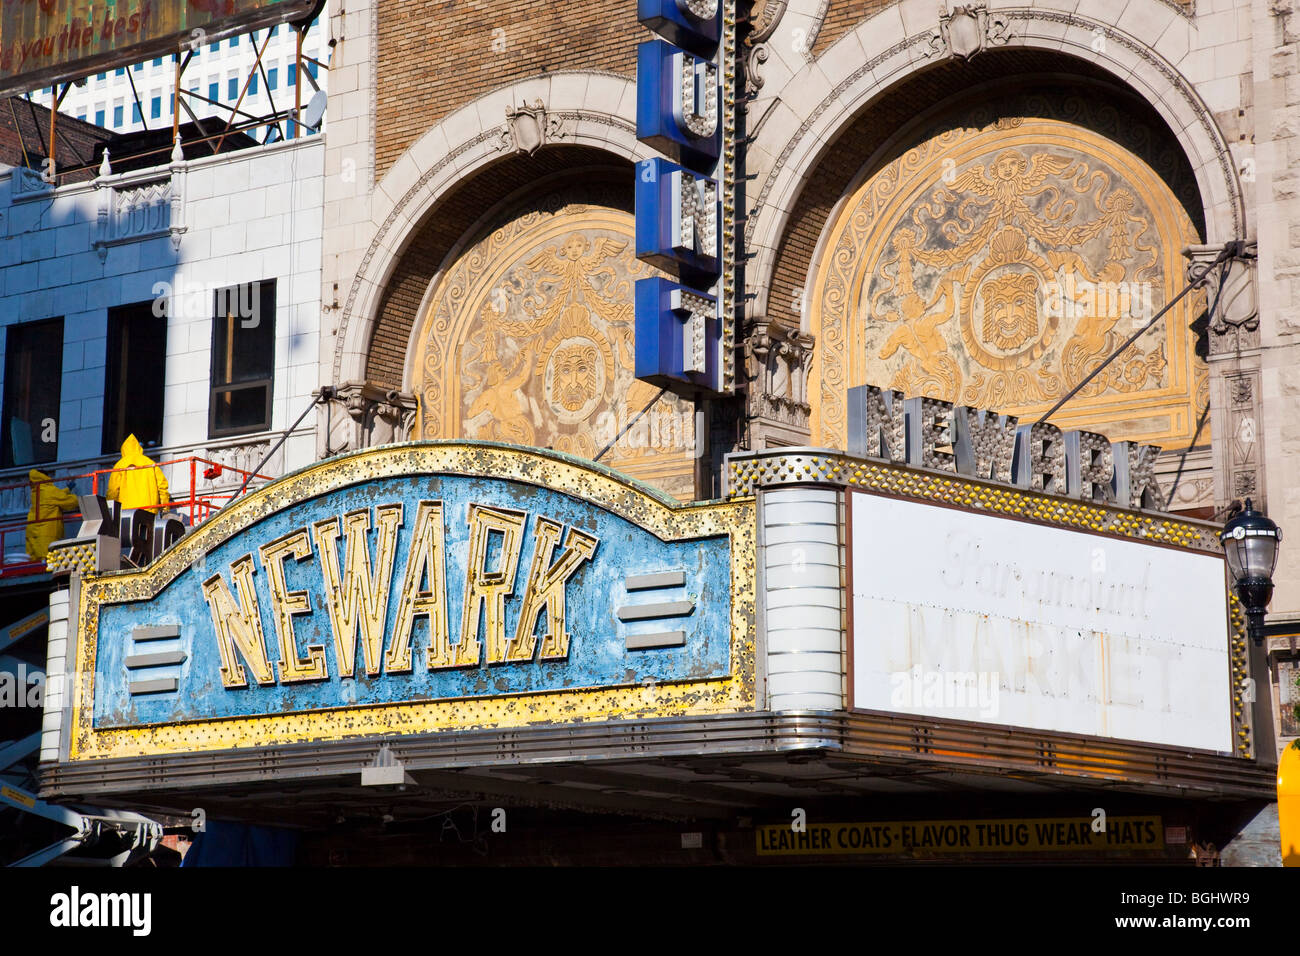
x=25 y=139
x=438 y=56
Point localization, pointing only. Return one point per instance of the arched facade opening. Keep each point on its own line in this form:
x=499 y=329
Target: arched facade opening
x=516 y=324
x=996 y=253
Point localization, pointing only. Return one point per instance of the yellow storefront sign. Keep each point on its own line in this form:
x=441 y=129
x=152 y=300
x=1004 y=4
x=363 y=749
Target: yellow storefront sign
x=923 y=837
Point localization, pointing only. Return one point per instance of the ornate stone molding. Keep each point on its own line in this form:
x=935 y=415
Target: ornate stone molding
x=28 y=184
x=756 y=52
x=778 y=358
x=1199 y=128
x=362 y=415
x=1242 y=435
x=1234 y=327
x=967 y=30
x=438 y=177
x=529 y=128
x=134 y=207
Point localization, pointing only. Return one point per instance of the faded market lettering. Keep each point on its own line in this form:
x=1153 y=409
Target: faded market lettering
x=358 y=594
x=964 y=836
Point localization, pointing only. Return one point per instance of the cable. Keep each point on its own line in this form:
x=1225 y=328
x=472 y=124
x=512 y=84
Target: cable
x=326 y=393
x=1230 y=251
x=628 y=426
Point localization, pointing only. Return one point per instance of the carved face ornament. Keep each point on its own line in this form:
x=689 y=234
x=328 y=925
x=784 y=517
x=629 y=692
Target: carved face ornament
x=1010 y=310
x=575 y=375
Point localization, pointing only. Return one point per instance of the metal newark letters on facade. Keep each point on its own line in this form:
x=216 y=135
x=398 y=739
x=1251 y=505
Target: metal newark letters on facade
x=684 y=337
x=49 y=41
x=420 y=588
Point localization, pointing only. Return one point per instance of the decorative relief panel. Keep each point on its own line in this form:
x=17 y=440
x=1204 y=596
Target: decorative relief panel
x=528 y=339
x=996 y=263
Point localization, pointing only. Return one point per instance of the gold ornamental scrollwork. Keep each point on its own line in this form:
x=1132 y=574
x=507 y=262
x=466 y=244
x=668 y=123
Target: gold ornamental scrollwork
x=528 y=339
x=997 y=265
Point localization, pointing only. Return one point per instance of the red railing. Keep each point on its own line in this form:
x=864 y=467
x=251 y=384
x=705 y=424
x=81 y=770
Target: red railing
x=196 y=506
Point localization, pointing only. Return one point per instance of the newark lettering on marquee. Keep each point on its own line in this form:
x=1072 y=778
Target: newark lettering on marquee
x=358 y=598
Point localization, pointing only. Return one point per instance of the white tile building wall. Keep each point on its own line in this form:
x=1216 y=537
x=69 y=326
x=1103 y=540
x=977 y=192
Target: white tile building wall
x=247 y=216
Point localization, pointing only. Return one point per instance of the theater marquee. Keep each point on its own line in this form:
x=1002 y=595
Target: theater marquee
x=416 y=589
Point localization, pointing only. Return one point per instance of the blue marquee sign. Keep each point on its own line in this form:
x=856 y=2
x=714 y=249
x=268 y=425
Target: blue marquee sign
x=418 y=587
x=674 y=228
x=679 y=204
x=691 y=24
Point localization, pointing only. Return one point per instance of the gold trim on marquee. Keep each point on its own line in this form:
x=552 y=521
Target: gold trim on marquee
x=641 y=505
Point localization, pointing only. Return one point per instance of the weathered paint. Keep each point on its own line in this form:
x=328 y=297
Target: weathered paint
x=639 y=532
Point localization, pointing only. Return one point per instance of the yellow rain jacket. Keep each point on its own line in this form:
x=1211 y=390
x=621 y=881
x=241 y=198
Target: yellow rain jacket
x=45 y=517
x=1288 y=803
x=145 y=486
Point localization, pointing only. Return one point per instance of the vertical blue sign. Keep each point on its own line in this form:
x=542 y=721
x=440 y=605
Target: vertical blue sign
x=679 y=203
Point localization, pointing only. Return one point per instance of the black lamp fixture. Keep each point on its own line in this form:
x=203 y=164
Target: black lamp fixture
x=1250 y=543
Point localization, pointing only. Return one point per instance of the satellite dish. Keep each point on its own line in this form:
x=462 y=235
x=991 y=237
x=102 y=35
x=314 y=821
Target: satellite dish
x=315 y=111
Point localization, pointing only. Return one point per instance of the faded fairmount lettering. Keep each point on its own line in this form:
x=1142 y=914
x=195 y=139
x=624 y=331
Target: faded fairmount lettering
x=358 y=593
x=929 y=433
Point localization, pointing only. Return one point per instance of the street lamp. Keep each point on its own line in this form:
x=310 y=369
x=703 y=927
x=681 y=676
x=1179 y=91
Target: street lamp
x=1250 y=543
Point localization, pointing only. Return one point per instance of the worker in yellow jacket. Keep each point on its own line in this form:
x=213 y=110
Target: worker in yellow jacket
x=144 y=486
x=45 y=517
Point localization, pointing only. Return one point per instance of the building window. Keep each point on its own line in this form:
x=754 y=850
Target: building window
x=234 y=41
x=117 y=116
x=214 y=47
x=291 y=74
x=311 y=68
x=81 y=117
x=120 y=71
x=155 y=107
x=272 y=78
x=214 y=90
x=252 y=85
x=99 y=117
x=135 y=359
x=243 y=359
x=33 y=376
x=135 y=113
x=232 y=87
x=139 y=66
x=101 y=77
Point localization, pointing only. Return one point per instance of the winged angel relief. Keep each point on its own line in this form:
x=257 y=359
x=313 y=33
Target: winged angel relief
x=1014 y=252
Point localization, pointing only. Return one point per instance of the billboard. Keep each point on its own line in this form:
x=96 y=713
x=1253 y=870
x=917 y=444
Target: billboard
x=50 y=41
x=419 y=588
x=979 y=617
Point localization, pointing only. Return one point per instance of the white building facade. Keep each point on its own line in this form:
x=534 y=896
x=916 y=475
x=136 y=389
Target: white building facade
x=180 y=302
